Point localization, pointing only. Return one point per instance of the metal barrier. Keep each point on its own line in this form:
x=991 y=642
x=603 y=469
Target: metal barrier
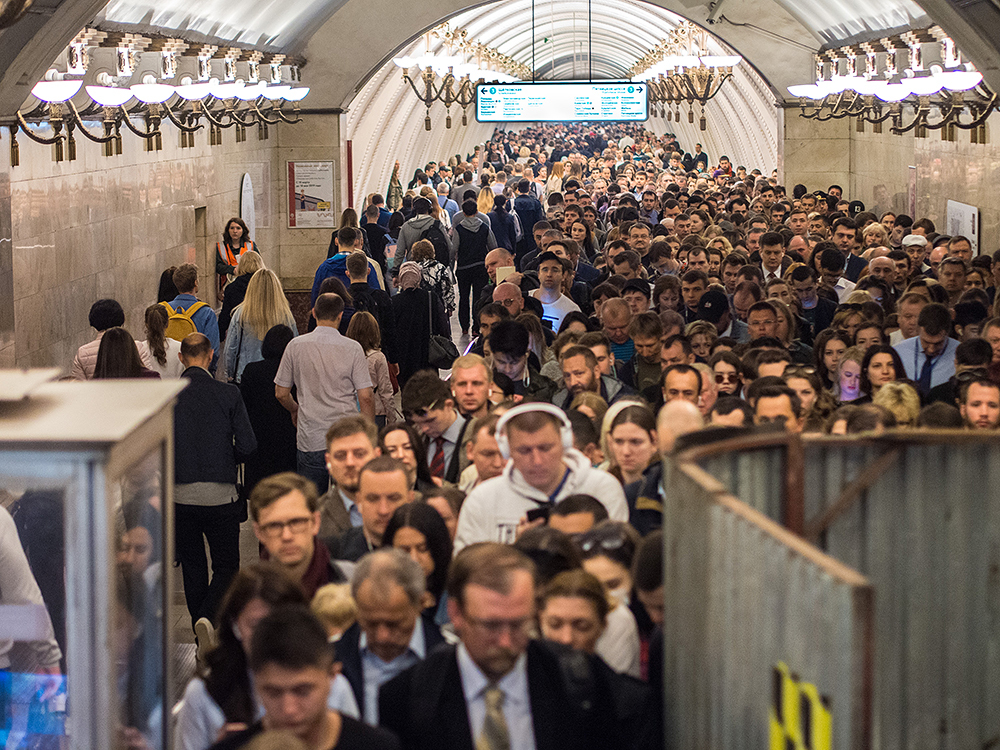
x=767 y=641
x=918 y=513
x=764 y=471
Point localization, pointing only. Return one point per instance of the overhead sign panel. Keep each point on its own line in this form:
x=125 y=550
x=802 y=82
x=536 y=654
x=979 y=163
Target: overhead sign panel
x=562 y=102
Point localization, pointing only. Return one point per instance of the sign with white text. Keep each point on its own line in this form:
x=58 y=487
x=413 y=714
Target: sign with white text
x=610 y=101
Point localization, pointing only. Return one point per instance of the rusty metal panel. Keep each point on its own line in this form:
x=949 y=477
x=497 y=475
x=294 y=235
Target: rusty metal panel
x=926 y=533
x=744 y=596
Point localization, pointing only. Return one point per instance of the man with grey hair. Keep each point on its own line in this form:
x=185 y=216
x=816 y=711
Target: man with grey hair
x=391 y=633
x=444 y=201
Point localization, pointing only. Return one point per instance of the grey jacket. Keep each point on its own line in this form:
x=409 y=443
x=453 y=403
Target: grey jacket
x=409 y=233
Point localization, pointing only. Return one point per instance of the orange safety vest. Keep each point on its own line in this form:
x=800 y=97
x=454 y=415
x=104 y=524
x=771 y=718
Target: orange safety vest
x=226 y=252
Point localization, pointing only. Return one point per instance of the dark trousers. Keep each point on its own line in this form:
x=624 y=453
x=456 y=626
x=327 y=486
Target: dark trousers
x=474 y=279
x=220 y=525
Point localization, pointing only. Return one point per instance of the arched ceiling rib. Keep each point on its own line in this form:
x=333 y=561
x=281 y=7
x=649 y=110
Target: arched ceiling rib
x=386 y=118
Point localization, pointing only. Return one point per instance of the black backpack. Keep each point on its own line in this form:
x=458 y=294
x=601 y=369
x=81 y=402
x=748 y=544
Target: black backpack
x=442 y=251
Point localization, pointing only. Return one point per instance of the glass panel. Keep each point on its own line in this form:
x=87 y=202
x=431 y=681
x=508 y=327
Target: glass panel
x=137 y=634
x=33 y=702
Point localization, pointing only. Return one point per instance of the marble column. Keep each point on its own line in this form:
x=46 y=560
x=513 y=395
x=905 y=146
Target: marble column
x=6 y=264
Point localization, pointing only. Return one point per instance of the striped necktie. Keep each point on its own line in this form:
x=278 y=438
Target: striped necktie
x=437 y=462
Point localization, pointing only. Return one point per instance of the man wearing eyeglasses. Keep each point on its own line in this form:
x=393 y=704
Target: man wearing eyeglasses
x=284 y=509
x=497 y=688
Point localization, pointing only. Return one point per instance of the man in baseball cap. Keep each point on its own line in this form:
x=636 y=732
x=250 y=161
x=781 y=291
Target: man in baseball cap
x=915 y=246
x=714 y=307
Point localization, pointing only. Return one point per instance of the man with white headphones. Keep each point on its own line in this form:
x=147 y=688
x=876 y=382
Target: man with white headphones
x=542 y=468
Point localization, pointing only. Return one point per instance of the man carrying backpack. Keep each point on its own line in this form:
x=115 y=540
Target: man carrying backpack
x=422 y=226
x=190 y=315
x=473 y=240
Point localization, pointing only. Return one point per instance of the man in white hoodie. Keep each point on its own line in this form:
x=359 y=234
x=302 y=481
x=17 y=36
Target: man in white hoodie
x=543 y=468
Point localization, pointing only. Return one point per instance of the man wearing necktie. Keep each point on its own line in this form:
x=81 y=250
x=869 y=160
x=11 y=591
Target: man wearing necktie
x=497 y=689
x=772 y=255
x=429 y=403
x=929 y=357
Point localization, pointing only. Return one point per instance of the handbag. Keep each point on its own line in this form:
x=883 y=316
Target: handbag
x=441 y=350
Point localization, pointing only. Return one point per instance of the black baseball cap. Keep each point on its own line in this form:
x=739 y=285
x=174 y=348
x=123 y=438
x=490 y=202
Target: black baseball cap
x=712 y=306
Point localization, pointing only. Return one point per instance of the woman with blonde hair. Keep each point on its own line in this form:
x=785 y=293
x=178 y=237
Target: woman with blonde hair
x=555 y=182
x=264 y=307
x=591 y=405
x=364 y=329
x=484 y=201
x=249 y=264
x=902 y=400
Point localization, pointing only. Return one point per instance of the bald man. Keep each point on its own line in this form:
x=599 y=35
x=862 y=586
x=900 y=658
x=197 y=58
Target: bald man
x=509 y=295
x=678 y=417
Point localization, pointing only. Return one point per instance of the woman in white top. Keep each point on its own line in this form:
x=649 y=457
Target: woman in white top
x=263 y=307
x=163 y=351
x=222 y=697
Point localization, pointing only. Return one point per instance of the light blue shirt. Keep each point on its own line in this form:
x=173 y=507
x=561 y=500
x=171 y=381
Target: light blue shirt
x=912 y=354
x=352 y=509
x=516 y=703
x=376 y=672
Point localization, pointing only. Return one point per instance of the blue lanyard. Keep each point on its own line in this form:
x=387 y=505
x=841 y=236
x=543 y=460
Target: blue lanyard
x=554 y=495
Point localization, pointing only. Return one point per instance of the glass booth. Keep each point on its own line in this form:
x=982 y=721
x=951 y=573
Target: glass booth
x=86 y=490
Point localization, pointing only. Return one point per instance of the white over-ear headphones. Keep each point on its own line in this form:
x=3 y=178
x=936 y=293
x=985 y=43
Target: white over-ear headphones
x=565 y=428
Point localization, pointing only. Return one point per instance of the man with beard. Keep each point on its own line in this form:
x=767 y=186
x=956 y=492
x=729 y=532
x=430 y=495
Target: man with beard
x=581 y=373
x=980 y=404
x=351 y=442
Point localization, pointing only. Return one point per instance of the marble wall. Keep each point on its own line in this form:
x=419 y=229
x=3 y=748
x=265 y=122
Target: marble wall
x=876 y=169
x=106 y=227
x=6 y=275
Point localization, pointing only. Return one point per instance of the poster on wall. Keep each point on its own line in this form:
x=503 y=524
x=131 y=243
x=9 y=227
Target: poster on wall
x=310 y=194
x=963 y=219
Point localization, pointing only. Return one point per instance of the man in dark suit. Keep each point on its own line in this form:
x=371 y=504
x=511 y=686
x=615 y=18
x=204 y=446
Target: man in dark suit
x=383 y=485
x=429 y=404
x=391 y=633
x=498 y=688
x=845 y=237
x=212 y=433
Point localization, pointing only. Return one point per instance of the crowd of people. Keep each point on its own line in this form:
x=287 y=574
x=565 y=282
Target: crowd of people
x=470 y=528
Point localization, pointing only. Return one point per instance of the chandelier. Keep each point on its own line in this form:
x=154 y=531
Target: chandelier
x=267 y=94
x=915 y=81
x=681 y=71
x=450 y=76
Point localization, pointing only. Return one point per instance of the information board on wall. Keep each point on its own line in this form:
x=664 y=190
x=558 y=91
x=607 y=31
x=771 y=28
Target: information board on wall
x=963 y=219
x=310 y=194
x=562 y=102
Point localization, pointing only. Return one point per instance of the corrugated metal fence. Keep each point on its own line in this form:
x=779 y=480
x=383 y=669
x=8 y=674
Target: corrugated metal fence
x=919 y=515
x=767 y=640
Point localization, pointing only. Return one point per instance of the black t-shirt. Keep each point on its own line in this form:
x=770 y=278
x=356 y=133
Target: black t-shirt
x=353 y=736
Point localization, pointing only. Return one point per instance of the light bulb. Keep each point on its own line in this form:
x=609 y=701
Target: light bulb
x=109 y=96
x=297 y=94
x=195 y=91
x=152 y=93
x=56 y=91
